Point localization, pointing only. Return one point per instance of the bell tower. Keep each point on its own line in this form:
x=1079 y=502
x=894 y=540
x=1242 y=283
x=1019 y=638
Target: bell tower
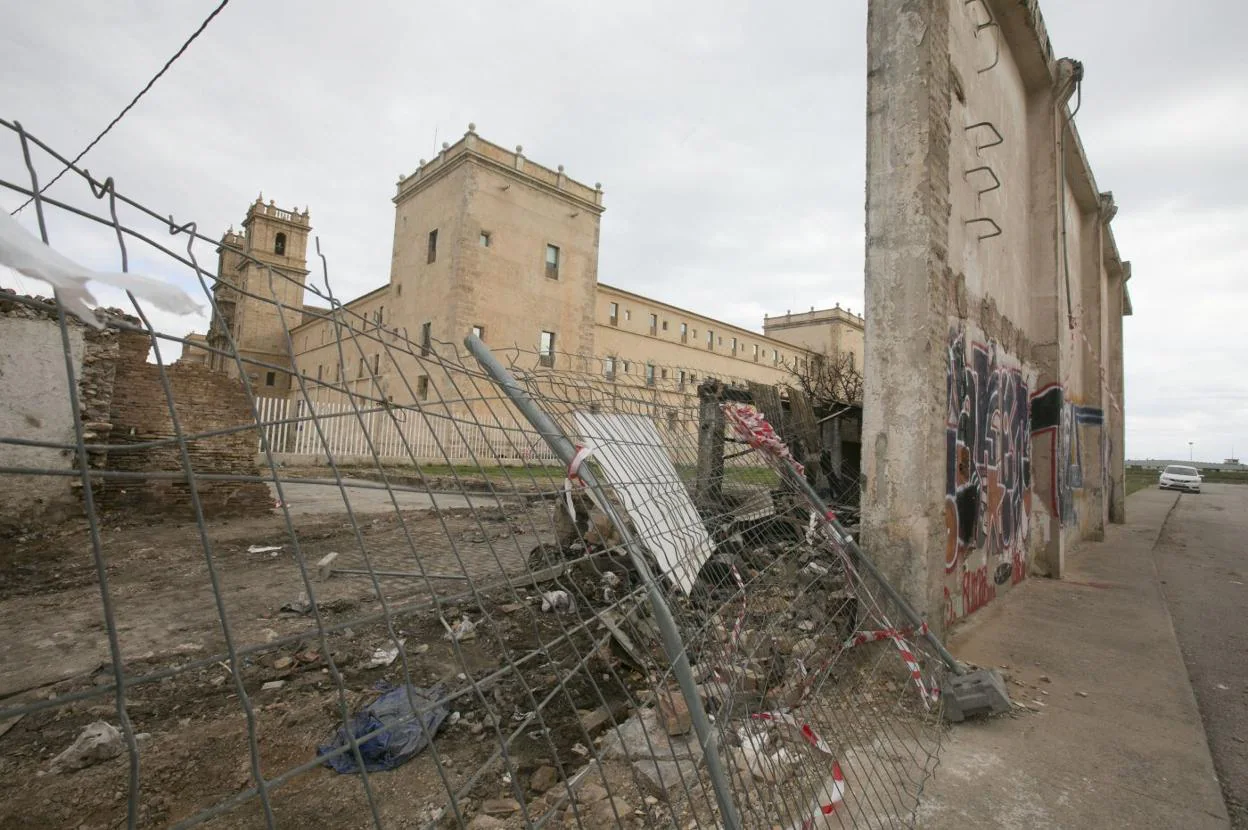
x=260 y=268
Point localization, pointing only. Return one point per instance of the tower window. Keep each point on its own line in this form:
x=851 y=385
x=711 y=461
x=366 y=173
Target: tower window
x=654 y=324
x=734 y=345
x=546 y=349
x=478 y=332
x=484 y=239
x=432 y=253
x=710 y=338
x=270 y=379
x=279 y=245
x=684 y=333
x=552 y=262
x=422 y=387
x=376 y=364
x=426 y=339
x=608 y=367
x=649 y=374
x=614 y=317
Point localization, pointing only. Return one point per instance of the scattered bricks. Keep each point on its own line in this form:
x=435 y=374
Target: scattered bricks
x=590 y=793
x=605 y=812
x=674 y=713
x=545 y=778
x=595 y=719
x=500 y=806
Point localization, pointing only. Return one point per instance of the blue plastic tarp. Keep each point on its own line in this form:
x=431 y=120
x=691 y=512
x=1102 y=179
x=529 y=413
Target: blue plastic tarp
x=405 y=731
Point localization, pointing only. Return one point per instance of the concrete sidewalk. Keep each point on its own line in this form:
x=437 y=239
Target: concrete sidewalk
x=1132 y=752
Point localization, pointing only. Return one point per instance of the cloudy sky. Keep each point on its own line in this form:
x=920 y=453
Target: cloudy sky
x=728 y=137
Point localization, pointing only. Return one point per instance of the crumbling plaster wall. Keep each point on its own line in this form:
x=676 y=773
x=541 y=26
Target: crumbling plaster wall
x=35 y=406
x=980 y=310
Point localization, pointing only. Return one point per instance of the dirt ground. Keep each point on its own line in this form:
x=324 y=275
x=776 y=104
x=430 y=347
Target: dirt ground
x=192 y=728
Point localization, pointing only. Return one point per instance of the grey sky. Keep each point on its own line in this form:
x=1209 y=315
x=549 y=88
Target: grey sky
x=728 y=137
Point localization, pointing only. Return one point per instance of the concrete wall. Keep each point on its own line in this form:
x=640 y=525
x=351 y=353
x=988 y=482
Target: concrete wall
x=34 y=405
x=989 y=345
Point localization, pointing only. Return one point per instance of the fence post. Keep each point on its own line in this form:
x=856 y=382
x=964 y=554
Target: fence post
x=709 y=481
x=670 y=635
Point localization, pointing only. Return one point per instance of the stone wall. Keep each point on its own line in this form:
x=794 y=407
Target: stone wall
x=205 y=401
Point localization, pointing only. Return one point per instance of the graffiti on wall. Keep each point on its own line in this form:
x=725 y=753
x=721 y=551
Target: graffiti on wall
x=1064 y=421
x=987 y=472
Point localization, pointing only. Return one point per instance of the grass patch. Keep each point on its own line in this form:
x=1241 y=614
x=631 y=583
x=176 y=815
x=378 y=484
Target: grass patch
x=1139 y=478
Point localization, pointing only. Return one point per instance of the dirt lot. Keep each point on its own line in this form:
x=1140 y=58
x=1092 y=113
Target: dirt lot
x=183 y=701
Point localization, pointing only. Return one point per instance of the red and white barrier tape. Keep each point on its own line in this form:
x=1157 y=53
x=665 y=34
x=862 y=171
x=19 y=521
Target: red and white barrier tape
x=863 y=637
x=831 y=797
x=916 y=674
x=574 y=477
x=804 y=729
x=751 y=427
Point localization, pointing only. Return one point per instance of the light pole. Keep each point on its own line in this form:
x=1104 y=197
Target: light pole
x=1189 y=450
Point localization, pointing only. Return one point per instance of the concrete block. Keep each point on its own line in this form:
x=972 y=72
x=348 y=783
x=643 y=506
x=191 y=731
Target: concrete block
x=325 y=567
x=976 y=693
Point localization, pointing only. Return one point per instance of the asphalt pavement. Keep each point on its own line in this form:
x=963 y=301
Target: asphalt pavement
x=1202 y=560
x=323 y=496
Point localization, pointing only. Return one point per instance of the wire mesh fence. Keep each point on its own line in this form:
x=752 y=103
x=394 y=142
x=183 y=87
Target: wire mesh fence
x=443 y=589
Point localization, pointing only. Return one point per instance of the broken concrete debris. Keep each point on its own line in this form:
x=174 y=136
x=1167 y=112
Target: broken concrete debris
x=558 y=601
x=383 y=655
x=465 y=629
x=98 y=742
x=272 y=550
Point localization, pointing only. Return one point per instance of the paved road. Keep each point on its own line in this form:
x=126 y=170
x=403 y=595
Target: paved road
x=365 y=497
x=1202 y=559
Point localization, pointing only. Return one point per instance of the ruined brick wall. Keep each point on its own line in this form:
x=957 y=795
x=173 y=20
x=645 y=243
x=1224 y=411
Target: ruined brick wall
x=205 y=401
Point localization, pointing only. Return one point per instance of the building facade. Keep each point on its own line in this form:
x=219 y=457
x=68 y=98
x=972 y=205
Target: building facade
x=489 y=242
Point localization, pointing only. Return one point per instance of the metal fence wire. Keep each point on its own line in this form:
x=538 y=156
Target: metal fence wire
x=484 y=589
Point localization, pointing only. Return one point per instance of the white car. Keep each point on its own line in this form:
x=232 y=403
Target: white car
x=1176 y=477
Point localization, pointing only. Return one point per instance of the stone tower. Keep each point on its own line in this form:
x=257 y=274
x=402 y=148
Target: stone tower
x=260 y=268
x=485 y=239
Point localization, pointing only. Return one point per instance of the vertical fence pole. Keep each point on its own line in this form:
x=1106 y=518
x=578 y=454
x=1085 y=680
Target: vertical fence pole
x=670 y=635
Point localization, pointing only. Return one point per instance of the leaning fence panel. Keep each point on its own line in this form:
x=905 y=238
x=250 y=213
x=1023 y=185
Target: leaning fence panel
x=384 y=597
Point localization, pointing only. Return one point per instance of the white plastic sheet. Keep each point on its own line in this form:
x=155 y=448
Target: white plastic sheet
x=27 y=255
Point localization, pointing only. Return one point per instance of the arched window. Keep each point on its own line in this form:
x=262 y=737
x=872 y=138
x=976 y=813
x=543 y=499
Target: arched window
x=279 y=245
